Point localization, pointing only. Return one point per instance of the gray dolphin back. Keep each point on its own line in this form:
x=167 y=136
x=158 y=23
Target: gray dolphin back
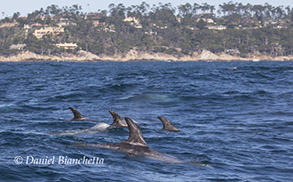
x=117 y=120
x=77 y=115
x=135 y=135
x=167 y=125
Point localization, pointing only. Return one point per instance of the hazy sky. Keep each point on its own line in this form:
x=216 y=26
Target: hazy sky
x=27 y=6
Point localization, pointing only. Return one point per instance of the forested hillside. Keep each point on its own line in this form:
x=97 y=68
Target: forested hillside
x=233 y=28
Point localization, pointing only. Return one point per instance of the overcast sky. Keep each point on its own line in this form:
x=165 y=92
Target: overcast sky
x=27 y=6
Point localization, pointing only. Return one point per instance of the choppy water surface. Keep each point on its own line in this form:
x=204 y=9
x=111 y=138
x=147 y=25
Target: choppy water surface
x=236 y=117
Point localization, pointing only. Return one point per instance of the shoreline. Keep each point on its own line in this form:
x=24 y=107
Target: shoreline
x=132 y=55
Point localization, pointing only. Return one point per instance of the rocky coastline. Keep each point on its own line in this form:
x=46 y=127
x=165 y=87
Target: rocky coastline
x=133 y=55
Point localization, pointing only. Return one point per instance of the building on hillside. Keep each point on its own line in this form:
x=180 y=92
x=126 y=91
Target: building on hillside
x=280 y=27
x=216 y=27
x=22 y=17
x=138 y=26
x=98 y=23
x=62 y=22
x=94 y=16
x=48 y=30
x=151 y=33
x=97 y=19
x=110 y=28
x=162 y=27
x=17 y=46
x=233 y=52
x=133 y=21
x=8 y=24
x=34 y=25
x=67 y=46
x=206 y=20
x=26 y=27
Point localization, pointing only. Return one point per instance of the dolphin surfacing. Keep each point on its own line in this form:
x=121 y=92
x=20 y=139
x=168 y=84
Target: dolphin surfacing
x=167 y=125
x=100 y=127
x=134 y=145
x=117 y=120
x=77 y=116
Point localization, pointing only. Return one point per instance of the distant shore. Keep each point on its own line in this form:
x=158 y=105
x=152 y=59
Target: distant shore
x=83 y=56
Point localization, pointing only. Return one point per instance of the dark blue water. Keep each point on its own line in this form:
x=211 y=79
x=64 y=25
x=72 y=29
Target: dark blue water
x=236 y=117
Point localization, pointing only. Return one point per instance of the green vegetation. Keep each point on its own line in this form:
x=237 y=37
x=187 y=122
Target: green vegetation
x=235 y=28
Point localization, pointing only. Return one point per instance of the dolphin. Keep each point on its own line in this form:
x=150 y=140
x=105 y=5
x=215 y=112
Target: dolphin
x=100 y=127
x=117 y=120
x=134 y=145
x=167 y=125
x=78 y=116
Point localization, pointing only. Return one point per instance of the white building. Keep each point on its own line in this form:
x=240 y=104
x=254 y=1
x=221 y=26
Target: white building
x=67 y=46
x=216 y=27
x=48 y=30
x=17 y=46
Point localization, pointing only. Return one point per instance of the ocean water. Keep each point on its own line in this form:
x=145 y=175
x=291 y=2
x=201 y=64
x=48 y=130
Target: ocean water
x=236 y=120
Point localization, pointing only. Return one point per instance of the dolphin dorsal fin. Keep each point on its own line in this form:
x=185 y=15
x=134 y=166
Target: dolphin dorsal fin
x=167 y=125
x=77 y=115
x=117 y=120
x=135 y=135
